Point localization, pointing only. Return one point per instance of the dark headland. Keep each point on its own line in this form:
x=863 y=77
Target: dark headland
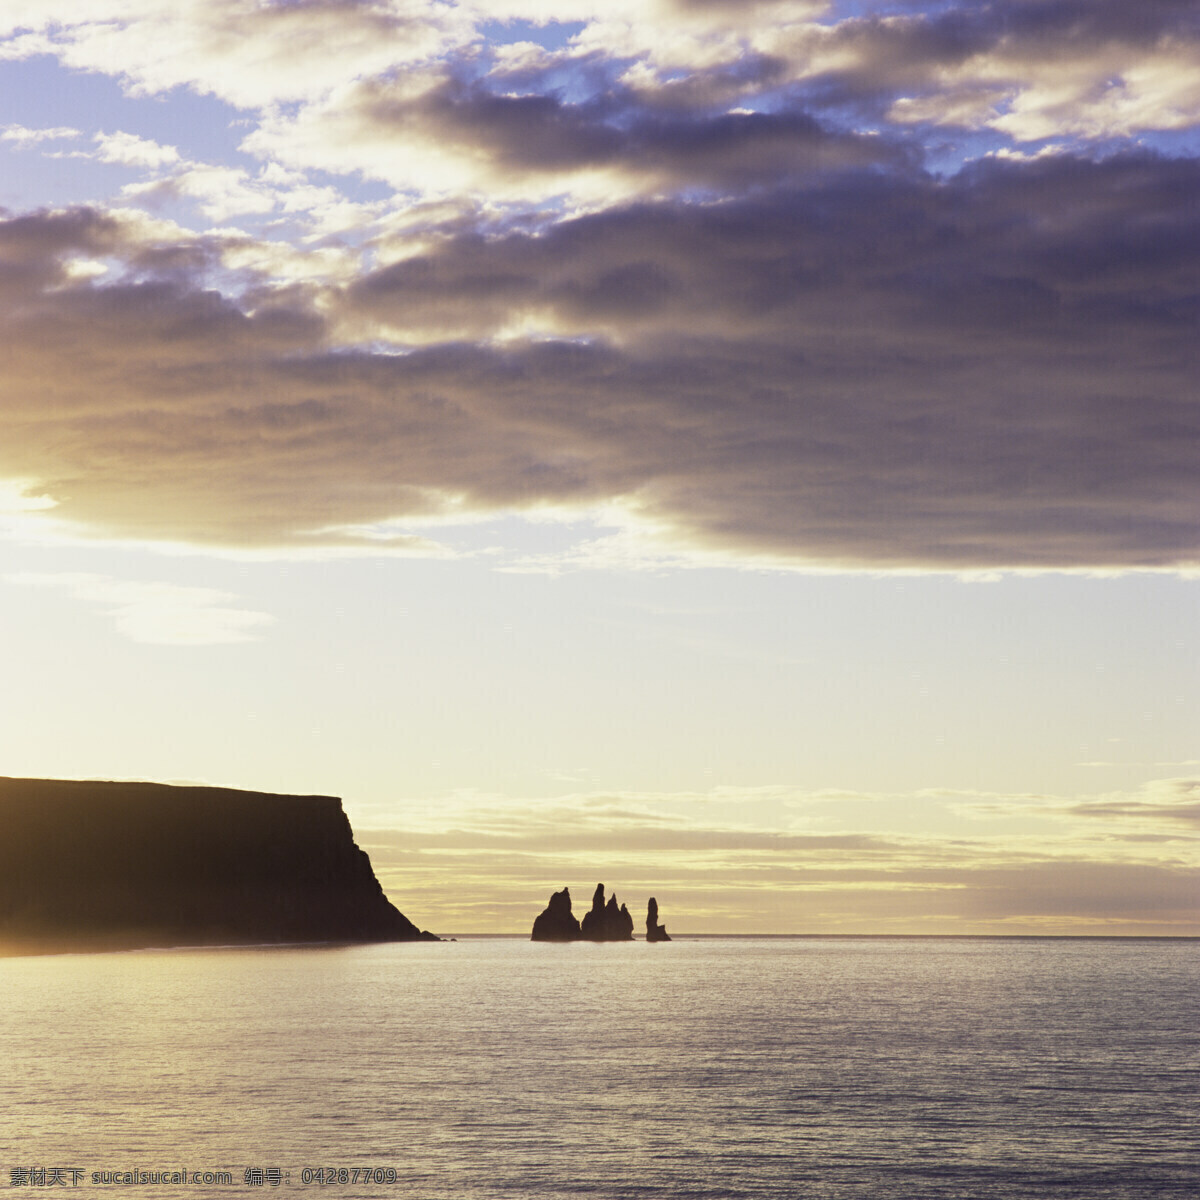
x=109 y=866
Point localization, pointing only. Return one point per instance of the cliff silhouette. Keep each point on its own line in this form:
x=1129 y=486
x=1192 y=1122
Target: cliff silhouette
x=105 y=866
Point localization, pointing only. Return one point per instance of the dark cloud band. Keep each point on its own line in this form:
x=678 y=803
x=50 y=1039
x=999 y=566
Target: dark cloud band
x=877 y=369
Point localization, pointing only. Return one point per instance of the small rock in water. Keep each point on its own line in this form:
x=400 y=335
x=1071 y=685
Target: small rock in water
x=654 y=931
x=607 y=922
x=604 y=922
x=557 y=923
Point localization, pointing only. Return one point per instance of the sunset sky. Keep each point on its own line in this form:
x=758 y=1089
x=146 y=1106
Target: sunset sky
x=743 y=452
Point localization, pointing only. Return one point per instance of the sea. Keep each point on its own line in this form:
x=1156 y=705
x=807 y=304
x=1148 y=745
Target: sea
x=701 y=1069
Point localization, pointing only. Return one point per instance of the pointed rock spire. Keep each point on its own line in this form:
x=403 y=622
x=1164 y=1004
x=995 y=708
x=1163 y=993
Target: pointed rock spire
x=607 y=922
x=654 y=931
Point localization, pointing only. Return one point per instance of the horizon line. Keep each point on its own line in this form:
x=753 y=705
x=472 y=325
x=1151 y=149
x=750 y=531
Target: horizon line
x=968 y=937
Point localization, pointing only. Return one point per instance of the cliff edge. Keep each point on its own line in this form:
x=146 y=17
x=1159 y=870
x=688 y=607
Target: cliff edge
x=106 y=866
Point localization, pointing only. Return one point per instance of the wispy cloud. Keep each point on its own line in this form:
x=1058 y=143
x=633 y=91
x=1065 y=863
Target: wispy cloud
x=721 y=872
x=129 y=150
x=164 y=614
x=25 y=138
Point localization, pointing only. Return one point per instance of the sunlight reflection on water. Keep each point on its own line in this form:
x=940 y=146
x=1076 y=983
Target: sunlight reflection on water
x=713 y=1068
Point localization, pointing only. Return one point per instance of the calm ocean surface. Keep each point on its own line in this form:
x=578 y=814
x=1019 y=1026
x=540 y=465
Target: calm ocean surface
x=710 y=1068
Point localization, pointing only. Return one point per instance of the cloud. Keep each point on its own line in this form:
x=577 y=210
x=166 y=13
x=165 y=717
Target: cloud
x=129 y=150
x=1176 y=801
x=1030 y=69
x=480 y=863
x=644 y=96
x=221 y=192
x=679 y=269
x=578 y=126
x=248 y=53
x=162 y=614
x=874 y=370
x=1181 y=762
x=456 y=134
x=840 y=829
x=25 y=138
x=1160 y=808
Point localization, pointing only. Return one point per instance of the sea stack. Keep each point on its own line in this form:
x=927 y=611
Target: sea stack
x=606 y=922
x=556 y=923
x=120 y=866
x=654 y=931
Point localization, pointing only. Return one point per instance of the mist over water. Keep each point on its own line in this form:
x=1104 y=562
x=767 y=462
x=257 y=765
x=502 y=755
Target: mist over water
x=713 y=1068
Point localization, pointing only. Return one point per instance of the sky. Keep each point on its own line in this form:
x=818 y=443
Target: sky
x=745 y=453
